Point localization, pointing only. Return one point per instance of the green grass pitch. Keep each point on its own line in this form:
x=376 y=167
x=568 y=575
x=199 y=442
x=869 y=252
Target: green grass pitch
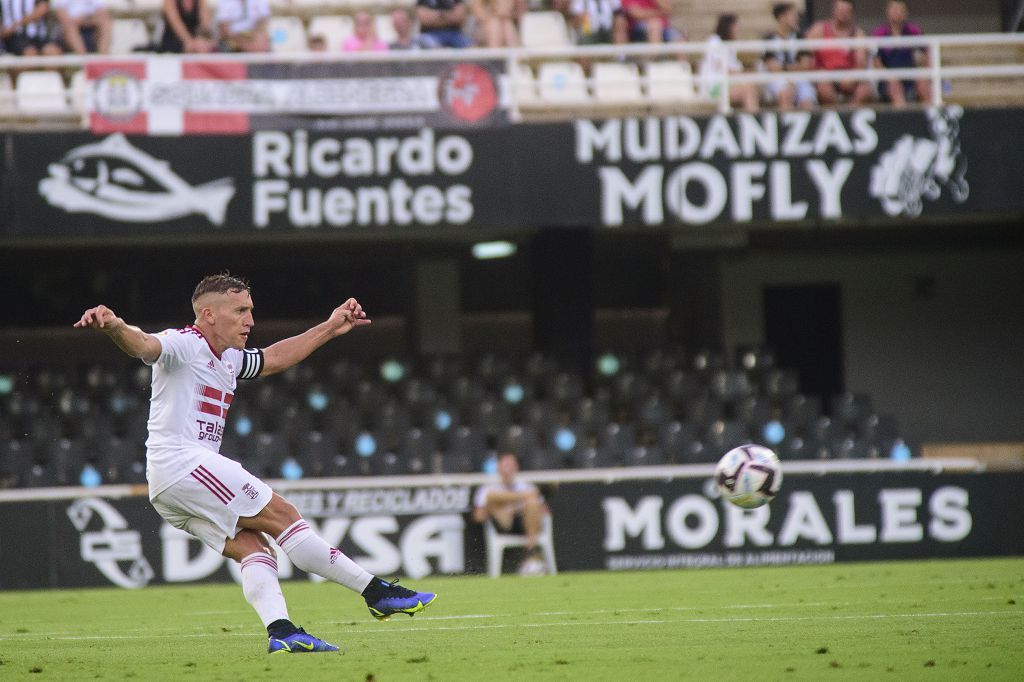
x=904 y=620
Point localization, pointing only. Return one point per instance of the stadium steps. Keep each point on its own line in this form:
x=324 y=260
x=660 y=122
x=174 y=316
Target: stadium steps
x=985 y=91
x=697 y=18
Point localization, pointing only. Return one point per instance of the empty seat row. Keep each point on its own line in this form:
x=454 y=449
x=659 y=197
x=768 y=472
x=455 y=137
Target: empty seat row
x=42 y=94
x=564 y=83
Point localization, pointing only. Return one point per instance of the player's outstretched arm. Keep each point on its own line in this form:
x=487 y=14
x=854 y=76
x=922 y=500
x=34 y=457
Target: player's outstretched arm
x=131 y=340
x=291 y=351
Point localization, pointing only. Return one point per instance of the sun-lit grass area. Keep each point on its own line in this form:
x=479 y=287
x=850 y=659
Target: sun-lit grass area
x=902 y=620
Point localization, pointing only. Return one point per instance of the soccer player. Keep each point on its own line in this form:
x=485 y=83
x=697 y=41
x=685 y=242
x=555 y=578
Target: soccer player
x=212 y=497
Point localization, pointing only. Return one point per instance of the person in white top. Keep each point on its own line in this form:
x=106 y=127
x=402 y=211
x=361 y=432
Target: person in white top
x=720 y=59
x=243 y=25
x=513 y=506
x=85 y=25
x=194 y=488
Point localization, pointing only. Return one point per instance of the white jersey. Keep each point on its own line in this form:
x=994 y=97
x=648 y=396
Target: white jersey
x=480 y=499
x=192 y=390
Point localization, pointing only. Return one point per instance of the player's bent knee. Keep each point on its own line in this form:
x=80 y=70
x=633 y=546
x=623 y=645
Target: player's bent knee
x=246 y=542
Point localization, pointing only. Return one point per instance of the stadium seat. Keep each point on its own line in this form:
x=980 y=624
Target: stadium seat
x=41 y=93
x=562 y=83
x=144 y=7
x=617 y=83
x=723 y=435
x=287 y=35
x=670 y=82
x=385 y=29
x=120 y=8
x=333 y=29
x=658 y=407
x=544 y=29
x=523 y=86
x=6 y=94
x=79 y=90
x=498 y=542
x=127 y=35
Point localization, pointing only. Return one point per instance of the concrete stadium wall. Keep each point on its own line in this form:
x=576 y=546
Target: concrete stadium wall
x=948 y=365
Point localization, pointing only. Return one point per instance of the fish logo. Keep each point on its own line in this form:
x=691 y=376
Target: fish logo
x=117 y=180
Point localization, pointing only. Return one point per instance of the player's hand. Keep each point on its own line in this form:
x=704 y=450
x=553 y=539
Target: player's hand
x=100 y=317
x=347 y=317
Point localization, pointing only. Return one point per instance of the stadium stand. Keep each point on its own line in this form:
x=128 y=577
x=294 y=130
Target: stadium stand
x=670 y=82
x=616 y=83
x=562 y=83
x=333 y=29
x=129 y=35
x=401 y=415
x=287 y=34
x=41 y=93
x=544 y=29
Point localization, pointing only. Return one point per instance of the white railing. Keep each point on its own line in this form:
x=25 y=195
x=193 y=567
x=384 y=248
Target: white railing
x=936 y=71
x=939 y=465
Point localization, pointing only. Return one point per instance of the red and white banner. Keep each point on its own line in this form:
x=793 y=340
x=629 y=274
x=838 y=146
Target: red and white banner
x=121 y=97
x=168 y=95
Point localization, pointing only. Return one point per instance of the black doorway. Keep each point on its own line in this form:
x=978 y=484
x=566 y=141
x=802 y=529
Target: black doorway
x=804 y=325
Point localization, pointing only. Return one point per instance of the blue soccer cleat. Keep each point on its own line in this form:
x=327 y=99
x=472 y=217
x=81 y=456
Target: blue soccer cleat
x=299 y=643
x=393 y=598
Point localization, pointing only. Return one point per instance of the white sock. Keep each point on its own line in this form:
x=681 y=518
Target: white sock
x=312 y=554
x=262 y=588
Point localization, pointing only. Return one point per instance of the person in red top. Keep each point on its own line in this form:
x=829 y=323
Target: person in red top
x=649 y=21
x=840 y=25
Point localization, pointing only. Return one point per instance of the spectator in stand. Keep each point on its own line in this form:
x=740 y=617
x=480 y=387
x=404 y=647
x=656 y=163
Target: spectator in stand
x=442 y=22
x=187 y=27
x=243 y=25
x=599 y=22
x=513 y=506
x=407 y=37
x=498 y=22
x=317 y=43
x=649 y=21
x=85 y=25
x=781 y=57
x=26 y=31
x=365 y=38
x=720 y=59
x=840 y=25
x=895 y=91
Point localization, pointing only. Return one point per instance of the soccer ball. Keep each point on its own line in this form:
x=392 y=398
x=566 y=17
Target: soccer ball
x=749 y=476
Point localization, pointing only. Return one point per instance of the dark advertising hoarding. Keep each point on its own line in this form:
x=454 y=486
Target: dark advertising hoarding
x=687 y=172
x=627 y=524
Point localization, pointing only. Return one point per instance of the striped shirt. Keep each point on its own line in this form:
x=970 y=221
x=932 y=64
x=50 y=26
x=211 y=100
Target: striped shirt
x=14 y=11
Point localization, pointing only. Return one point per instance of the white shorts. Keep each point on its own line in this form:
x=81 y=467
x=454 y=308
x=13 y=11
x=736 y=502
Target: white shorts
x=208 y=502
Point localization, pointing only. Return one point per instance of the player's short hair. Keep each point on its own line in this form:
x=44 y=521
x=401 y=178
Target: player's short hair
x=780 y=8
x=223 y=283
